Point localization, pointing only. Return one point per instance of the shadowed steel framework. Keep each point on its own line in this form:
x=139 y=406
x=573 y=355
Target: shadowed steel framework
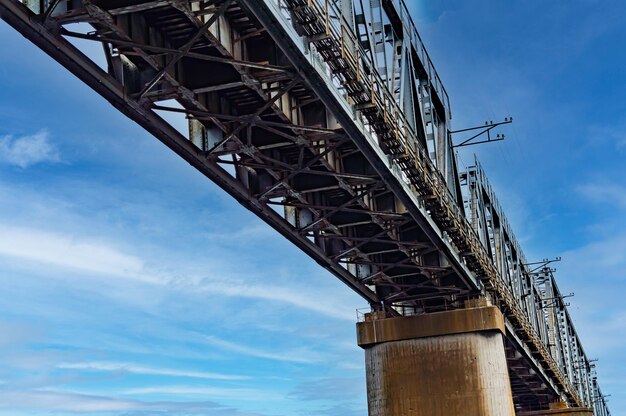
x=327 y=119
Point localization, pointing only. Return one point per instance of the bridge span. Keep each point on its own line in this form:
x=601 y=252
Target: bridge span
x=328 y=120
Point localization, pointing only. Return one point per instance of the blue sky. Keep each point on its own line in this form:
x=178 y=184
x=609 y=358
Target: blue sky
x=131 y=285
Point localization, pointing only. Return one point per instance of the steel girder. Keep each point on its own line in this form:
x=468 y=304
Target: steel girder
x=328 y=121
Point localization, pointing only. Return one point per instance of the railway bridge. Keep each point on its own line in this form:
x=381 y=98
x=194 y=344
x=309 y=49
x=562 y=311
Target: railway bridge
x=328 y=120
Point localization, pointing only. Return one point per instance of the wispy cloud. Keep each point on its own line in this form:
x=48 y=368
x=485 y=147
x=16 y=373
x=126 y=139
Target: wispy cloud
x=339 y=389
x=304 y=299
x=298 y=356
x=595 y=272
x=14 y=333
x=25 y=151
x=82 y=254
x=612 y=134
x=430 y=12
x=603 y=259
x=68 y=402
x=206 y=391
x=61 y=401
x=68 y=251
x=604 y=193
x=139 y=369
x=340 y=410
x=602 y=333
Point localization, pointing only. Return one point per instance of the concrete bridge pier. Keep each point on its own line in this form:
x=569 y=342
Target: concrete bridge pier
x=438 y=364
x=560 y=409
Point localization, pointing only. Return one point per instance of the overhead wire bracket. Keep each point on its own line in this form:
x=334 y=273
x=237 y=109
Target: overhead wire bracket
x=485 y=129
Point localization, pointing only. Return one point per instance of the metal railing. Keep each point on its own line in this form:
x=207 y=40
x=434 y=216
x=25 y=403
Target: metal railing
x=357 y=75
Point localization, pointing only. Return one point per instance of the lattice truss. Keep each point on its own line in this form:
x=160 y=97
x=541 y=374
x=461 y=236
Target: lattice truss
x=534 y=287
x=327 y=119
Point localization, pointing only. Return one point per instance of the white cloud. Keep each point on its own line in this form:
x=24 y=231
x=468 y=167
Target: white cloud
x=604 y=193
x=601 y=262
x=303 y=298
x=205 y=391
x=81 y=254
x=340 y=389
x=70 y=402
x=15 y=334
x=613 y=133
x=596 y=273
x=28 y=150
x=70 y=252
x=138 y=369
x=298 y=356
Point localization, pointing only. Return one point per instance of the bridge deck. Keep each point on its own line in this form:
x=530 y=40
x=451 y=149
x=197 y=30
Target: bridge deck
x=328 y=120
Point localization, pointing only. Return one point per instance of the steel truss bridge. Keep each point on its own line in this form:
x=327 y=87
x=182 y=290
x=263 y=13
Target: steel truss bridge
x=327 y=119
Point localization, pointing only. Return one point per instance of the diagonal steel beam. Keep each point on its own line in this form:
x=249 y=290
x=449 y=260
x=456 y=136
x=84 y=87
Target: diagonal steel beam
x=245 y=121
x=329 y=214
x=49 y=10
x=310 y=163
x=184 y=50
x=156 y=50
x=20 y=18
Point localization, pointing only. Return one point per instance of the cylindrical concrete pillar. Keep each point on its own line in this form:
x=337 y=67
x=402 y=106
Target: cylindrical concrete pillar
x=440 y=364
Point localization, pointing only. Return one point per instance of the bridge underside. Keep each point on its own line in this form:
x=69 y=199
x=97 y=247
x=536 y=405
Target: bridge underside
x=267 y=129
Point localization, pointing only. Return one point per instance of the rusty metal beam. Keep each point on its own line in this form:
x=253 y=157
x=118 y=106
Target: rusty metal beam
x=20 y=18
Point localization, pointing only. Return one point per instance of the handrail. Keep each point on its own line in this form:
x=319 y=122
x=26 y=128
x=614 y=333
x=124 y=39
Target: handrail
x=414 y=161
x=407 y=19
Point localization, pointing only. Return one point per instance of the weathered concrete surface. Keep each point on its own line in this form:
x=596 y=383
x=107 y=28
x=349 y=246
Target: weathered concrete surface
x=374 y=331
x=414 y=368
